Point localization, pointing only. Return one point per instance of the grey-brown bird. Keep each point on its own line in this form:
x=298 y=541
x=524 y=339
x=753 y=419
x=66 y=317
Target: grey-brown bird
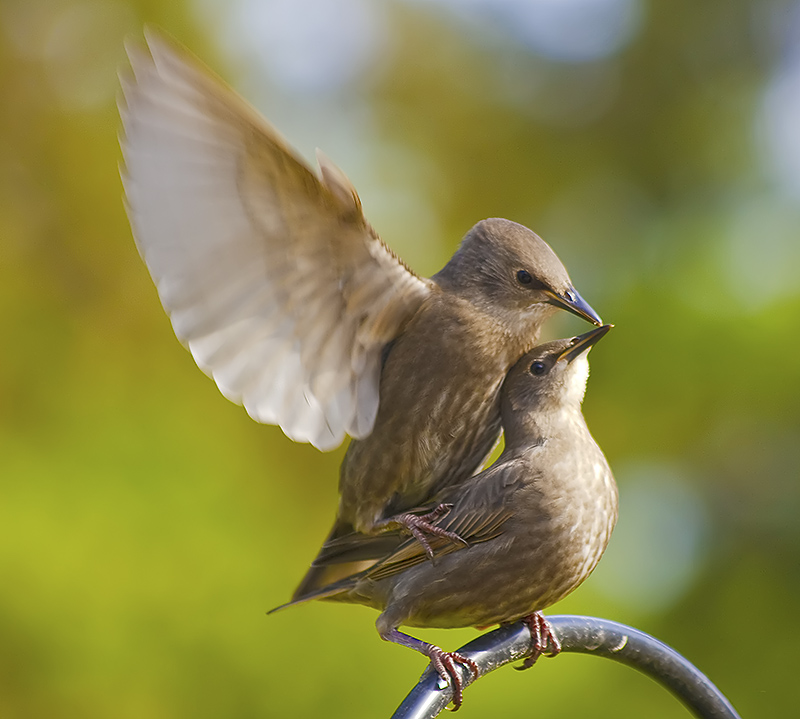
x=536 y=522
x=286 y=296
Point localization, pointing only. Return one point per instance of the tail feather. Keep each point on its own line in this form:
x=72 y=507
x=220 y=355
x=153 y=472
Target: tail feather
x=344 y=554
x=330 y=591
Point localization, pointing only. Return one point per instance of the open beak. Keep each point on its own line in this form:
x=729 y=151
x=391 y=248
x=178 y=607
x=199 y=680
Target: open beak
x=573 y=302
x=582 y=343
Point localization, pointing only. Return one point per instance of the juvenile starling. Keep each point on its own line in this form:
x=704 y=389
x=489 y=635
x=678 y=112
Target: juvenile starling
x=536 y=522
x=286 y=296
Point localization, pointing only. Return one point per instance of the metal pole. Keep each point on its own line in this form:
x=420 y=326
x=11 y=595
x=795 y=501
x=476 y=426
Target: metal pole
x=584 y=635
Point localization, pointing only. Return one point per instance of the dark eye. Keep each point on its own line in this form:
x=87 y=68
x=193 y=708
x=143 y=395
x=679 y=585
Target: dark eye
x=524 y=277
x=538 y=368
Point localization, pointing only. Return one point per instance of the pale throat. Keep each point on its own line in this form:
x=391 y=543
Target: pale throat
x=575 y=385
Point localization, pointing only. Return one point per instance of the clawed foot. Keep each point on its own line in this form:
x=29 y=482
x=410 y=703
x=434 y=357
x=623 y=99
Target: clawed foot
x=542 y=635
x=421 y=524
x=445 y=664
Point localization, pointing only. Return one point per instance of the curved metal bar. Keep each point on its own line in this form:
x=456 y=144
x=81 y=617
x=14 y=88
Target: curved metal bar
x=584 y=635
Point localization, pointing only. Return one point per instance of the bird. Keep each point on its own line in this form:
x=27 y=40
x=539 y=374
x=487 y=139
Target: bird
x=287 y=297
x=536 y=523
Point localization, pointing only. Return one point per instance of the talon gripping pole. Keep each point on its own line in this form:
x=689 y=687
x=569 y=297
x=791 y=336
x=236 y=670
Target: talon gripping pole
x=582 y=635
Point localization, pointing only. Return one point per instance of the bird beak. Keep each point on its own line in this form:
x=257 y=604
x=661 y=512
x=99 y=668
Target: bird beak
x=582 y=343
x=573 y=302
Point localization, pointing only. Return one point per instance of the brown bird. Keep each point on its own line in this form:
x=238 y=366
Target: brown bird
x=286 y=296
x=536 y=522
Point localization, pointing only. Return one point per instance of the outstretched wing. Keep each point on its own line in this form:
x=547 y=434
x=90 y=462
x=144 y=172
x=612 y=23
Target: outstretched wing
x=271 y=276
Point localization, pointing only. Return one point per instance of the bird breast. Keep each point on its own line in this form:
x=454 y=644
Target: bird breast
x=438 y=419
x=561 y=524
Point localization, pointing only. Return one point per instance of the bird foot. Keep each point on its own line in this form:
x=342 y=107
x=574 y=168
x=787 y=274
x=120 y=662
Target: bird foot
x=418 y=525
x=446 y=666
x=542 y=635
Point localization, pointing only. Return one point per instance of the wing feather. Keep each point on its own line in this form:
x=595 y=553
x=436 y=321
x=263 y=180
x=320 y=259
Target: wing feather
x=481 y=506
x=271 y=276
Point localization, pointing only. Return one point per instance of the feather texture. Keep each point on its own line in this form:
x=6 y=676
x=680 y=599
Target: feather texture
x=272 y=277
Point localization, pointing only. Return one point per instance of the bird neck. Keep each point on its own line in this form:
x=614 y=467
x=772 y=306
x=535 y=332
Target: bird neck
x=525 y=428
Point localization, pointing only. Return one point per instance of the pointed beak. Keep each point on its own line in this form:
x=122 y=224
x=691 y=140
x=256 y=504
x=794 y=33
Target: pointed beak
x=573 y=302
x=582 y=343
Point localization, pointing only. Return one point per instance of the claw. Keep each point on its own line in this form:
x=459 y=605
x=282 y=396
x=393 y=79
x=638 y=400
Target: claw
x=445 y=664
x=542 y=635
x=418 y=525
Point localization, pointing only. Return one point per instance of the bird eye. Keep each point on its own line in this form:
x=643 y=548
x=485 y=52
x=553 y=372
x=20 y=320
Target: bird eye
x=538 y=368
x=524 y=277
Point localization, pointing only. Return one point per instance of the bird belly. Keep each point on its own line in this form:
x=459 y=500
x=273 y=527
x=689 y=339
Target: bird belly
x=544 y=553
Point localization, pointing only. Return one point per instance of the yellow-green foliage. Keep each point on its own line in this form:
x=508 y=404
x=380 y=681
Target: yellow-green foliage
x=147 y=525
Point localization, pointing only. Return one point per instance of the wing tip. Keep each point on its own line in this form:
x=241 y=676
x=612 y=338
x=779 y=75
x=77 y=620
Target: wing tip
x=339 y=185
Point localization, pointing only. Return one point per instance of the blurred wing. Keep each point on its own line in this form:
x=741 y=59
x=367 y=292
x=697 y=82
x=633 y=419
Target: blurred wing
x=271 y=276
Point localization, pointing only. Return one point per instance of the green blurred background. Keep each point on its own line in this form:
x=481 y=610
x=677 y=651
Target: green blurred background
x=146 y=524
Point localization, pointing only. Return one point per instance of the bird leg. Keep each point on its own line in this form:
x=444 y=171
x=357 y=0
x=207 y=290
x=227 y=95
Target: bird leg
x=418 y=525
x=446 y=664
x=542 y=635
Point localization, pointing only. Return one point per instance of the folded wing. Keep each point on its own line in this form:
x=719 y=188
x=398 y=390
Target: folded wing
x=481 y=506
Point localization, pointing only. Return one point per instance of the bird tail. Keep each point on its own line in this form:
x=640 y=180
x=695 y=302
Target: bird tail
x=344 y=554
x=318 y=578
x=334 y=591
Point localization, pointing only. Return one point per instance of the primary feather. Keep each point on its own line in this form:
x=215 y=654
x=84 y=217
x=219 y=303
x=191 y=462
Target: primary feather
x=271 y=276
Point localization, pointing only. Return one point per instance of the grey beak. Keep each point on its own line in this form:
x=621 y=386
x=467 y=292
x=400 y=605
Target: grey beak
x=573 y=302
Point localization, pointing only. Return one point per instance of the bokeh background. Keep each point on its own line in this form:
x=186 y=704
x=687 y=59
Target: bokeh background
x=146 y=524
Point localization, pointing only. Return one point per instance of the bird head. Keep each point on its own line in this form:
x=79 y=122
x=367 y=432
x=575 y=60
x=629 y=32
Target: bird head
x=509 y=271
x=549 y=378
